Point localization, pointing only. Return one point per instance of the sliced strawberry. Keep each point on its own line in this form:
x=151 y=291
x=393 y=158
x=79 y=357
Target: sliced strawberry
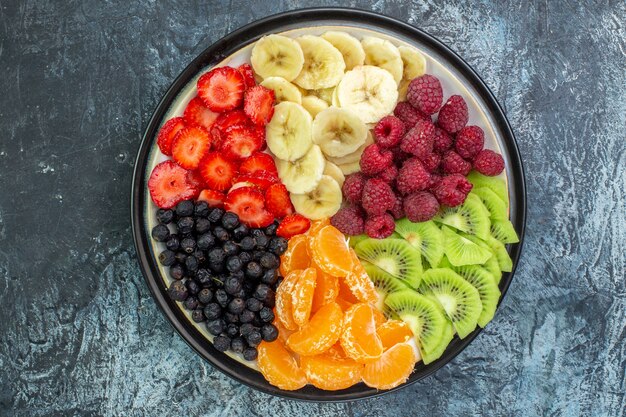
x=248 y=75
x=259 y=161
x=231 y=118
x=197 y=114
x=189 y=147
x=221 y=89
x=277 y=200
x=242 y=141
x=213 y=198
x=168 y=133
x=218 y=172
x=261 y=179
x=248 y=203
x=195 y=179
x=258 y=104
x=168 y=185
x=292 y=225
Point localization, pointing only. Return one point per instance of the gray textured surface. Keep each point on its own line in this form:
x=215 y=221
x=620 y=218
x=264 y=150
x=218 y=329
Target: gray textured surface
x=80 y=334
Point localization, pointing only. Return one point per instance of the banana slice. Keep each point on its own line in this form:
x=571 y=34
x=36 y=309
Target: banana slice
x=350 y=168
x=384 y=54
x=338 y=132
x=402 y=89
x=370 y=92
x=288 y=134
x=354 y=156
x=323 y=63
x=302 y=175
x=283 y=89
x=314 y=105
x=323 y=93
x=413 y=61
x=349 y=46
x=277 y=56
x=334 y=100
x=333 y=171
x=321 y=202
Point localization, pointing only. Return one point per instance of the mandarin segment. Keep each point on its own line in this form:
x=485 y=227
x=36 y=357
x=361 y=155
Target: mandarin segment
x=360 y=284
x=392 y=369
x=320 y=333
x=279 y=367
x=302 y=296
x=330 y=251
x=379 y=317
x=283 y=332
x=284 y=300
x=296 y=256
x=359 y=339
x=325 y=371
x=317 y=225
x=393 y=332
x=326 y=290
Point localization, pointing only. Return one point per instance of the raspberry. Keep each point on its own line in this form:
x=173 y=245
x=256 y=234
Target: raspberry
x=469 y=141
x=431 y=162
x=397 y=211
x=388 y=131
x=380 y=226
x=435 y=179
x=349 y=220
x=412 y=177
x=488 y=162
x=452 y=163
x=453 y=115
x=443 y=141
x=420 y=206
x=420 y=139
x=452 y=190
x=425 y=94
x=408 y=114
x=353 y=187
x=399 y=156
x=378 y=197
x=374 y=159
x=389 y=174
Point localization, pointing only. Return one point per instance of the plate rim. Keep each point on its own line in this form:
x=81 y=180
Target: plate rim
x=215 y=53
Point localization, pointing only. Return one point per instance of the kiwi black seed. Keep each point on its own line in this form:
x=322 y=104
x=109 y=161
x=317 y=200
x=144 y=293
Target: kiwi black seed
x=425 y=236
x=394 y=256
x=470 y=217
x=487 y=288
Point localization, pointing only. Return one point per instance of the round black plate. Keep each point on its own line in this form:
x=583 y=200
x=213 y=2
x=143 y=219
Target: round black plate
x=216 y=53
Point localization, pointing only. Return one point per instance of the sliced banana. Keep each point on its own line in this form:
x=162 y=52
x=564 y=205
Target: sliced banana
x=413 y=61
x=323 y=93
x=354 y=156
x=314 y=105
x=370 y=92
x=321 y=202
x=277 y=56
x=334 y=100
x=402 y=89
x=348 y=45
x=302 y=175
x=288 y=134
x=384 y=54
x=333 y=171
x=338 y=132
x=323 y=63
x=350 y=168
x=283 y=89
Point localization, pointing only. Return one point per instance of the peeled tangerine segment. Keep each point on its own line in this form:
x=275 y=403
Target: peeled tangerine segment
x=394 y=256
x=330 y=252
x=359 y=339
x=284 y=299
x=392 y=332
x=392 y=369
x=425 y=236
x=279 y=367
x=359 y=282
x=329 y=372
x=320 y=333
x=296 y=256
x=302 y=296
x=462 y=251
x=326 y=290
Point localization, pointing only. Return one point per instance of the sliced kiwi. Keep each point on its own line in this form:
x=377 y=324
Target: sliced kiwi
x=354 y=240
x=470 y=217
x=492 y=265
x=487 y=288
x=504 y=231
x=459 y=298
x=446 y=337
x=421 y=314
x=497 y=185
x=384 y=282
x=425 y=236
x=462 y=251
x=502 y=255
x=498 y=209
x=394 y=256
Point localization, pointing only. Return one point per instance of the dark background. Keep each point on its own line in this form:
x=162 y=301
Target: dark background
x=79 y=332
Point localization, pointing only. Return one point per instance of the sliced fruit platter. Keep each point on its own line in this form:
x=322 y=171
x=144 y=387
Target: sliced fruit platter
x=327 y=209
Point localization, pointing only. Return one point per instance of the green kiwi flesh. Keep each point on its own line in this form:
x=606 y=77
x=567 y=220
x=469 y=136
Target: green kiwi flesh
x=394 y=256
x=425 y=236
x=497 y=208
x=470 y=217
x=446 y=337
x=504 y=231
x=502 y=255
x=462 y=251
x=384 y=282
x=492 y=265
x=487 y=288
x=497 y=185
x=354 y=240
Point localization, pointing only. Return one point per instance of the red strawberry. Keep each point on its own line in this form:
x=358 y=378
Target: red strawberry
x=168 y=185
x=258 y=104
x=168 y=133
x=292 y=225
x=248 y=75
x=277 y=200
x=225 y=121
x=248 y=203
x=195 y=179
x=242 y=141
x=262 y=179
x=190 y=146
x=218 y=172
x=259 y=161
x=197 y=114
x=213 y=198
x=221 y=89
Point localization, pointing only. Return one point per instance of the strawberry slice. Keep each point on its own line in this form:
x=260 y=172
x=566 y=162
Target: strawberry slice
x=261 y=179
x=277 y=200
x=258 y=104
x=169 y=185
x=168 y=133
x=189 y=146
x=195 y=179
x=213 y=198
x=224 y=122
x=248 y=203
x=197 y=114
x=292 y=225
x=259 y=161
x=217 y=171
x=242 y=141
x=221 y=89
x=248 y=75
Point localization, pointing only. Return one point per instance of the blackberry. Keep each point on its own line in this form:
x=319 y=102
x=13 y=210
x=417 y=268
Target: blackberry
x=230 y=220
x=266 y=315
x=160 y=233
x=198 y=315
x=221 y=234
x=231 y=318
x=191 y=264
x=184 y=208
x=236 y=305
x=270 y=276
x=188 y=245
x=205 y=241
x=250 y=353
x=178 y=291
x=177 y=271
x=277 y=245
x=165 y=216
x=185 y=224
x=232 y=330
x=246 y=316
x=237 y=345
x=215 y=215
x=192 y=287
x=269 y=261
x=221 y=343
x=167 y=257
x=269 y=332
x=254 y=338
x=205 y=296
x=247 y=243
x=240 y=232
x=254 y=305
x=191 y=303
x=212 y=311
x=201 y=209
x=203 y=225
x=221 y=297
x=271 y=229
x=173 y=243
x=245 y=257
x=233 y=264
x=253 y=270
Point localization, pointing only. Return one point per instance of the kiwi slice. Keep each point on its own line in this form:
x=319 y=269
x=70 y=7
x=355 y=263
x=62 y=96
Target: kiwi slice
x=394 y=256
x=487 y=288
x=446 y=337
x=497 y=185
x=462 y=251
x=354 y=240
x=459 y=298
x=425 y=236
x=492 y=265
x=502 y=255
x=422 y=315
x=385 y=283
x=504 y=231
x=498 y=209
x=470 y=217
